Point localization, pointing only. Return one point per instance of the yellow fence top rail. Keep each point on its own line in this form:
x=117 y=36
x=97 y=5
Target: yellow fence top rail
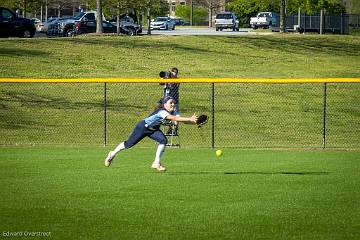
x=180 y=80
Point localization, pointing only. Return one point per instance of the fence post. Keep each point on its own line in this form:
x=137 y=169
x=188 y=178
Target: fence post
x=212 y=115
x=105 y=114
x=341 y=23
x=324 y=119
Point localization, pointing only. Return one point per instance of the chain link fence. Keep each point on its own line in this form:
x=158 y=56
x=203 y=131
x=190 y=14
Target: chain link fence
x=241 y=115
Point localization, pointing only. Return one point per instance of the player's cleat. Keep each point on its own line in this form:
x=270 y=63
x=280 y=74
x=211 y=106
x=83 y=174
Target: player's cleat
x=158 y=167
x=108 y=160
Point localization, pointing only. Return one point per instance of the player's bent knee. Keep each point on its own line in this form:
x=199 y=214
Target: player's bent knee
x=163 y=141
x=128 y=145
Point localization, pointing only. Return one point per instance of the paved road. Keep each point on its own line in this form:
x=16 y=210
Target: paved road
x=196 y=31
x=204 y=31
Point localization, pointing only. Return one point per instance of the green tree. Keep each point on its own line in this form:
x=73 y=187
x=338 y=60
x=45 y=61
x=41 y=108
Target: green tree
x=12 y=4
x=315 y=6
x=211 y=6
x=248 y=8
x=22 y=6
x=148 y=8
x=99 y=20
x=199 y=13
x=353 y=6
x=245 y=9
x=157 y=7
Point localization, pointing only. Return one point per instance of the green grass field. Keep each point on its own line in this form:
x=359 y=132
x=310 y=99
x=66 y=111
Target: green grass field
x=245 y=194
x=51 y=161
x=282 y=56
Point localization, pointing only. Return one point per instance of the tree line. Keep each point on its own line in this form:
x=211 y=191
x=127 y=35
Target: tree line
x=110 y=7
x=198 y=11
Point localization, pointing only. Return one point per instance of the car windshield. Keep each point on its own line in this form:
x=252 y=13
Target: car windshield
x=79 y=15
x=52 y=20
x=127 y=19
x=161 y=19
x=224 y=16
x=264 y=15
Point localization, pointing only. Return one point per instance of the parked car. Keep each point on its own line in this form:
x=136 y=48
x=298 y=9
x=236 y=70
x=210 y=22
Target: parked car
x=65 y=27
x=43 y=26
x=179 y=21
x=36 y=20
x=13 y=26
x=129 y=23
x=162 y=23
x=38 y=24
x=82 y=27
x=226 y=20
x=264 y=20
x=54 y=27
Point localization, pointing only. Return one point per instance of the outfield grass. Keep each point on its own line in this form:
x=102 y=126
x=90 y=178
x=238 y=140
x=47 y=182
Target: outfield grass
x=246 y=194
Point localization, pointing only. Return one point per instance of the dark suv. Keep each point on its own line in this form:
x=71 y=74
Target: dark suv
x=14 y=26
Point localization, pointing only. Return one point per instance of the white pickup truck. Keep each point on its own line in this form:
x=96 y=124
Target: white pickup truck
x=263 y=20
x=226 y=20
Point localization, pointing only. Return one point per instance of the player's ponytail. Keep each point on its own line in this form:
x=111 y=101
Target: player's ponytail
x=159 y=106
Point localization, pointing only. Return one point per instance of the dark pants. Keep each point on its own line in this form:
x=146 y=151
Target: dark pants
x=141 y=131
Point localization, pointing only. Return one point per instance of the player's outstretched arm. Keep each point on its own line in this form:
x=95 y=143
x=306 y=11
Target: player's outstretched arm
x=191 y=120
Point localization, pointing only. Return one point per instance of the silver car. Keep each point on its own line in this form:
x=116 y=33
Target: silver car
x=162 y=23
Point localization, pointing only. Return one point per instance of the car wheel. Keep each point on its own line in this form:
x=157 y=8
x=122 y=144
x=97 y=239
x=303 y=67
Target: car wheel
x=173 y=27
x=27 y=34
x=69 y=33
x=217 y=29
x=131 y=32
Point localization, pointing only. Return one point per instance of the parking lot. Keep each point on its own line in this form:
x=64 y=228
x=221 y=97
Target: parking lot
x=196 y=31
x=201 y=31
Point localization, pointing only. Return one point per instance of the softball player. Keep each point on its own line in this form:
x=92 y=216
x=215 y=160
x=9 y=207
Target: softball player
x=150 y=127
